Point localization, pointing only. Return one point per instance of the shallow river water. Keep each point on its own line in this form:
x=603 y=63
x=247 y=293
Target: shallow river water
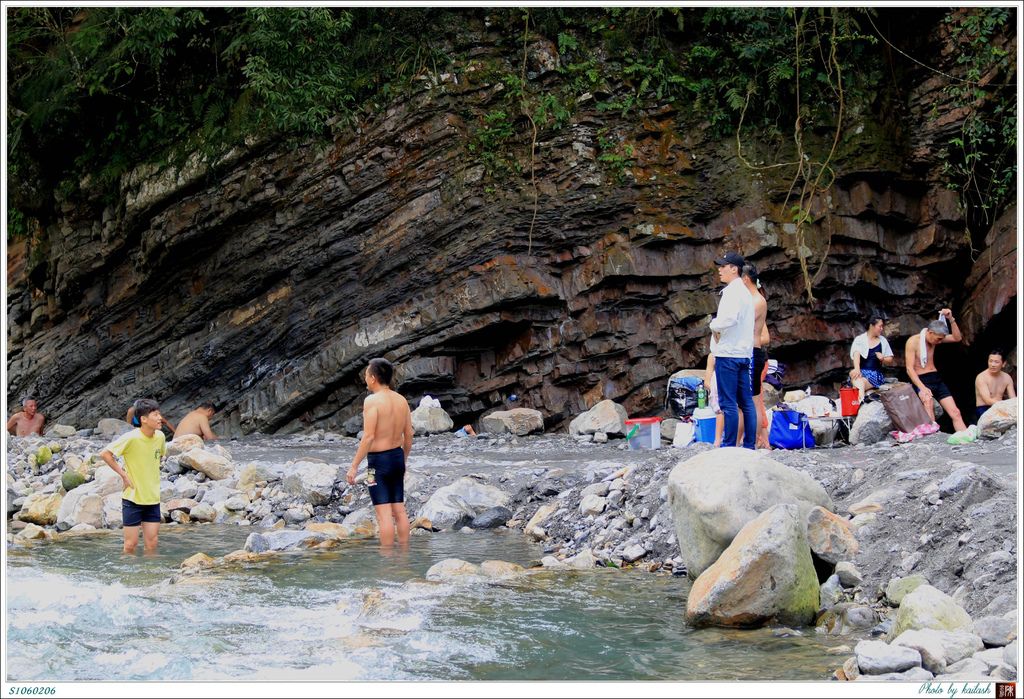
x=80 y=610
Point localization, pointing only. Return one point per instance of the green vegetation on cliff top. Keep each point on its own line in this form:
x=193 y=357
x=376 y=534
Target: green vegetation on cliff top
x=94 y=92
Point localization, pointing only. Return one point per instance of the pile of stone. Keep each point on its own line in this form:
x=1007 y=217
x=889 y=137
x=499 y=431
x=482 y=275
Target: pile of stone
x=934 y=638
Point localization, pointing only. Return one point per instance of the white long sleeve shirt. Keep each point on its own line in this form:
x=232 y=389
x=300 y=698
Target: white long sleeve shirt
x=735 y=322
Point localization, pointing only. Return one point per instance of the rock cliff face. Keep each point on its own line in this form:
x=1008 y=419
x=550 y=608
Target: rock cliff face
x=266 y=282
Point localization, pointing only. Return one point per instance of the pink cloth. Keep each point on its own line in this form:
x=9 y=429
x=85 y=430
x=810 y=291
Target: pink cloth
x=919 y=431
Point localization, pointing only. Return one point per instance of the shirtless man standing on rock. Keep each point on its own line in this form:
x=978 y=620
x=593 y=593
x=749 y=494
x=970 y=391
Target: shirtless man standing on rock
x=26 y=421
x=386 y=443
x=197 y=422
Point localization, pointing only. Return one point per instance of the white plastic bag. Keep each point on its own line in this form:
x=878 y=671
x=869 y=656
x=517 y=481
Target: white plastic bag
x=684 y=434
x=430 y=402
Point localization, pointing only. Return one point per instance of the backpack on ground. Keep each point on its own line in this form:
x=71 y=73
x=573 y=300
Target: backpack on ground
x=681 y=395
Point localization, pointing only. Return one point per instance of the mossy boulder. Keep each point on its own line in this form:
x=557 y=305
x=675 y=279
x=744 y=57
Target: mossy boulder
x=929 y=608
x=71 y=480
x=765 y=576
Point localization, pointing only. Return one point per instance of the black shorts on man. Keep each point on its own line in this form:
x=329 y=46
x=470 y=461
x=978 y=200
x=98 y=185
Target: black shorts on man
x=757 y=369
x=389 y=472
x=133 y=515
x=933 y=382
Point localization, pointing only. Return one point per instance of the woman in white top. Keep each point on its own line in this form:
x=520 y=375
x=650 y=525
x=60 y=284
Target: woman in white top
x=870 y=351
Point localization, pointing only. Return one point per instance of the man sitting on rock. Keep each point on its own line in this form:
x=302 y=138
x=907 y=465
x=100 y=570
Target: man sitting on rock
x=26 y=421
x=992 y=385
x=920 y=356
x=465 y=431
x=197 y=422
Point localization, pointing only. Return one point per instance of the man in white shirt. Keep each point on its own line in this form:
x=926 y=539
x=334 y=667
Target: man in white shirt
x=733 y=329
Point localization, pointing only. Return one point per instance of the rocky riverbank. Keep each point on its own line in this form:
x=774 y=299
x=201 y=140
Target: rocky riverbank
x=891 y=523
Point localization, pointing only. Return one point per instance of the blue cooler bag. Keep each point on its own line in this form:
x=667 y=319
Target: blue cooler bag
x=790 y=430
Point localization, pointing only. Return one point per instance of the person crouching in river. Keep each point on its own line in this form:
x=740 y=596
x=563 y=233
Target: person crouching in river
x=386 y=443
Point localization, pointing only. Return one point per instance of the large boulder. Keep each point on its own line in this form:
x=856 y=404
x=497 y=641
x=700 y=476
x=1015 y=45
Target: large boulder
x=112 y=511
x=607 y=416
x=830 y=536
x=311 y=481
x=186 y=442
x=86 y=502
x=998 y=419
x=59 y=431
x=112 y=428
x=215 y=466
x=282 y=540
x=458 y=503
x=431 y=420
x=81 y=510
x=878 y=657
x=940 y=649
x=871 y=425
x=714 y=494
x=489 y=519
x=766 y=575
x=929 y=608
x=898 y=588
x=40 y=509
x=251 y=475
x=518 y=421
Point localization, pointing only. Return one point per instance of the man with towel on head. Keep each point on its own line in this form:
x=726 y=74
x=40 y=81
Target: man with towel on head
x=920 y=355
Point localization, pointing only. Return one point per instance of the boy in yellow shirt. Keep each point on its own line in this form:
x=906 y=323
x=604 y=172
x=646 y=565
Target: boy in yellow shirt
x=141 y=449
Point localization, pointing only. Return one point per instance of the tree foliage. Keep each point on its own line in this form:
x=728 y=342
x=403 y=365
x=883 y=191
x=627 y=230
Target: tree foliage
x=93 y=92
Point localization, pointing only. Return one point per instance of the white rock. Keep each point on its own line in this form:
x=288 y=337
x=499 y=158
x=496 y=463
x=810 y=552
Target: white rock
x=464 y=498
x=713 y=495
x=607 y=417
x=592 y=505
x=634 y=553
x=214 y=466
x=518 y=421
x=186 y=442
x=110 y=428
x=312 y=482
x=998 y=419
x=429 y=420
x=878 y=657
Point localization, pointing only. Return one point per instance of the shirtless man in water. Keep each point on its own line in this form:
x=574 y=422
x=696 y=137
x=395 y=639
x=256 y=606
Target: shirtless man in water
x=27 y=421
x=198 y=422
x=925 y=376
x=386 y=443
x=992 y=385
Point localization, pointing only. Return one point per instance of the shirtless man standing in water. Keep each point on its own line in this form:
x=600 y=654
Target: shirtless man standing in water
x=386 y=443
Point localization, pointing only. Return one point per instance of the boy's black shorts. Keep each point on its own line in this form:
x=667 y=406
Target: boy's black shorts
x=133 y=515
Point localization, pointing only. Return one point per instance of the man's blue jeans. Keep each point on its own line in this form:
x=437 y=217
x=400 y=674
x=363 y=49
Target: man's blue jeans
x=735 y=395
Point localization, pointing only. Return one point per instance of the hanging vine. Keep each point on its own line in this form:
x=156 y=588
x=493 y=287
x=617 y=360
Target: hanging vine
x=813 y=177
